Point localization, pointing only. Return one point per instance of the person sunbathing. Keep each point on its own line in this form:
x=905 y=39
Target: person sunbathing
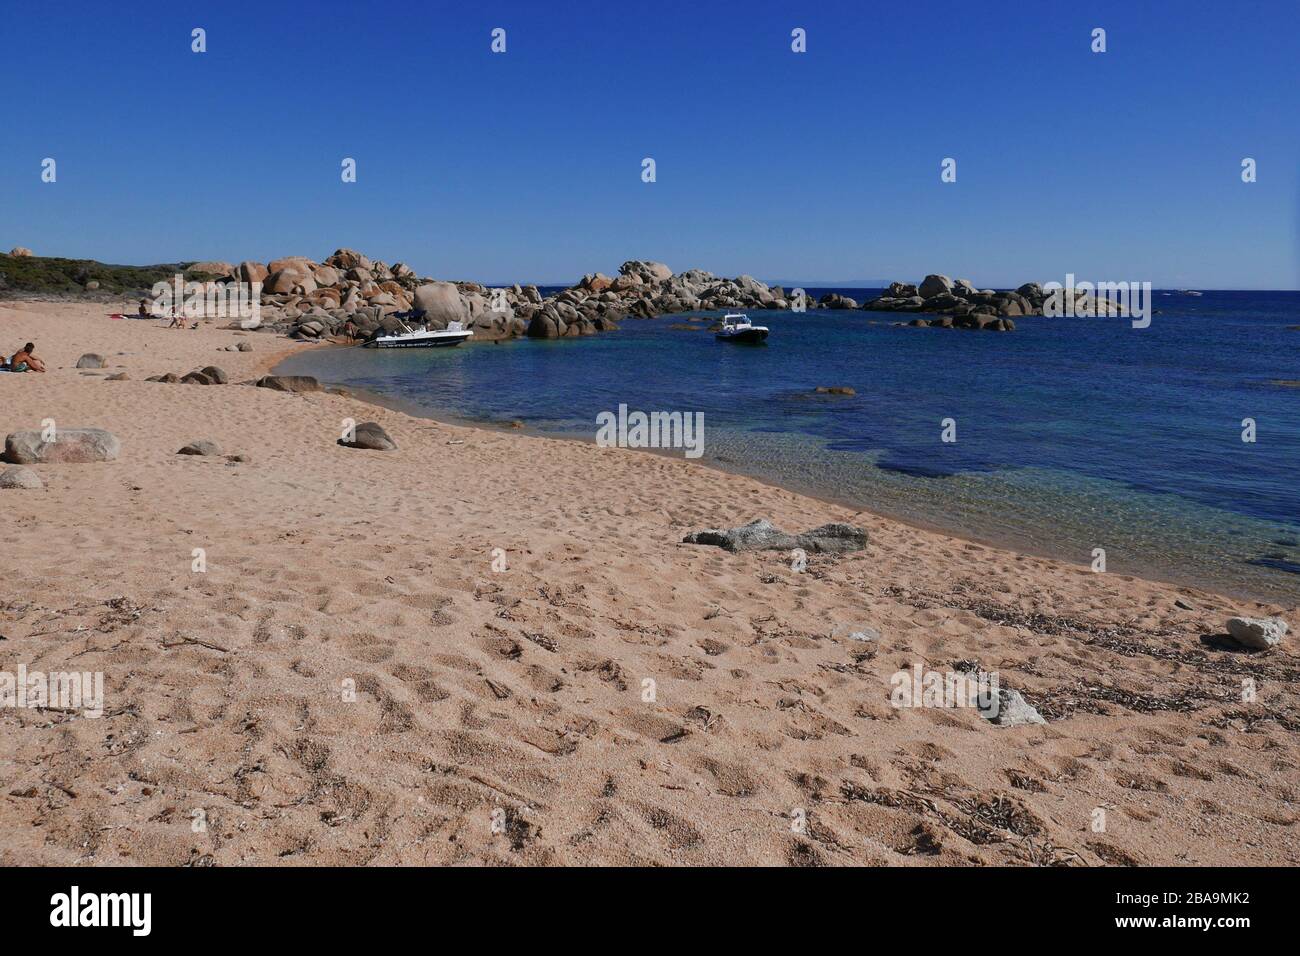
x=25 y=361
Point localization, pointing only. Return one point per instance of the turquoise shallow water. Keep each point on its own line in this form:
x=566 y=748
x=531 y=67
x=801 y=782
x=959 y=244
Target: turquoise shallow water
x=1072 y=434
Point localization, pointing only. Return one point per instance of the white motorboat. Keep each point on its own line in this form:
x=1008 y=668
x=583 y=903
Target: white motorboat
x=738 y=328
x=425 y=338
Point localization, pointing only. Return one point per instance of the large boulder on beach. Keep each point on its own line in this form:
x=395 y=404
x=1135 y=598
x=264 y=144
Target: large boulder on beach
x=441 y=302
x=70 y=446
x=90 y=360
x=346 y=259
x=297 y=263
x=213 y=268
x=289 y=383
x=17 y=476
x=762 y=535
x=370 y=435
x=1257 y=633
x=327 y=276
x=293 y=281
x=250 y=271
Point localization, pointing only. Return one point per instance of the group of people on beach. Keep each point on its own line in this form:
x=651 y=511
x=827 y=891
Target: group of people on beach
x=177 y=318
x=24 y=360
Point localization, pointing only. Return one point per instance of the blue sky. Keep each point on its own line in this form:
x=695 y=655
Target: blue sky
x=527 y=165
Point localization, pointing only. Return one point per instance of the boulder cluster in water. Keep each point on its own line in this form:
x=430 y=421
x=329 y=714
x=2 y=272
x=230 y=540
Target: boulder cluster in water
x=310 y=300
x=958 y=304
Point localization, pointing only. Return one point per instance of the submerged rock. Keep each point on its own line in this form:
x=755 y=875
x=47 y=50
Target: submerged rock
x=762 y=535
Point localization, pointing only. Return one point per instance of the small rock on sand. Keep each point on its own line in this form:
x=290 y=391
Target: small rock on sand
x=762 y=535
x=169 y=378
x=289 y=383
x=216 y=374
x=118 y=377
x=208 y=449
x=17 y=476
x=856 y=632
x=1012 y=711
x=1257 y=633
x=372 y=436
x=90 y=360
x=244 y=346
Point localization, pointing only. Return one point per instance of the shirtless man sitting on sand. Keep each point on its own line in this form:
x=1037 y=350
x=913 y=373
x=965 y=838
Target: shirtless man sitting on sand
x=25 y=361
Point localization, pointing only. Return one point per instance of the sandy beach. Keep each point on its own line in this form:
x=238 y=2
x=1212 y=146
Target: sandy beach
x=503 y=716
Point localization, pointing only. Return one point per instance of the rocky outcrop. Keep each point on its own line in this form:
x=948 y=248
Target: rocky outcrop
x=70 y=446
x=762 y=535
x=967 y=307
x=315 y=300
x=20 y=251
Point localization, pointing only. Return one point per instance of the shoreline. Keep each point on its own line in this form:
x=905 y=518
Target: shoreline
x=380 y=654
x=416 y=410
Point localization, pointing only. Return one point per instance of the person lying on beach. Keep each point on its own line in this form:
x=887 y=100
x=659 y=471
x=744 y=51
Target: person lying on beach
x=25 y=361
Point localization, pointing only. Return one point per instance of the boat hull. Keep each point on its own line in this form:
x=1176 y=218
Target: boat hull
x=443 y=342
x=747 y=337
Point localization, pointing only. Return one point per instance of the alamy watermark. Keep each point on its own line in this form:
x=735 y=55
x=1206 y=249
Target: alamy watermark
x=61 y=690
x=626 y=429
x=920 y=687
x=1083 y=299
x=209 y=300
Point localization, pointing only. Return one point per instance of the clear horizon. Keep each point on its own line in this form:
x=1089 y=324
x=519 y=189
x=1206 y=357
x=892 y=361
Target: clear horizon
x=1115 y=166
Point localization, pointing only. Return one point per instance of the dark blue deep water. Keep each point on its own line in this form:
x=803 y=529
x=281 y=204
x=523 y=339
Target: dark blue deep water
x=1072 y=433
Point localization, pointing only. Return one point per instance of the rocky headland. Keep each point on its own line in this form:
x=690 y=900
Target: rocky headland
x=312 y=300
